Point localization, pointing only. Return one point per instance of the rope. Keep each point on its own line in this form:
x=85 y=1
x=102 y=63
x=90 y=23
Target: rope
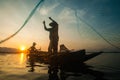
x=77 y=22
x=26 y=21
x=96 y=31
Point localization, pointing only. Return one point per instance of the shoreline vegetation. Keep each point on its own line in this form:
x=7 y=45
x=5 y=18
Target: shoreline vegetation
x=9 y=50
x=25 y=52
x=14 y=50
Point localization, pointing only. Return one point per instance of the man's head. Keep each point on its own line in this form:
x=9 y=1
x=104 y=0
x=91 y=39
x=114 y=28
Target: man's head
x=34 y=43
x=52 y=24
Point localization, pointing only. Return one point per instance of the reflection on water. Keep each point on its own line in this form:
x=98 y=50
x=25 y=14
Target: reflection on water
x=13 y=67
x=12 y=60
x=15 y=64
x=22 y=58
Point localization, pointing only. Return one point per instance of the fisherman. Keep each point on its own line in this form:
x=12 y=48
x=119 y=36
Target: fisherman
x=32 y=50
x=53 y=36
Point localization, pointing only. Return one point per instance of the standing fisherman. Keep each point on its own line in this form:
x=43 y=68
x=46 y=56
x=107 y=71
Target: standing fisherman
x=53 y=36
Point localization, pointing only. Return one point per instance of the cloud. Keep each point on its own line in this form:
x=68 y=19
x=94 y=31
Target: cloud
x=45 y=10
x=67 y=15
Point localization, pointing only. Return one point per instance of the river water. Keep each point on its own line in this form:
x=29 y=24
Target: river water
x=13 y=67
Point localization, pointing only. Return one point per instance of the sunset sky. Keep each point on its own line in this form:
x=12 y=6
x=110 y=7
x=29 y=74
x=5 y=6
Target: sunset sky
x=102 y=15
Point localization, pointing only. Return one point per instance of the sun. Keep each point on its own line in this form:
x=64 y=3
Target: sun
x=22 y=48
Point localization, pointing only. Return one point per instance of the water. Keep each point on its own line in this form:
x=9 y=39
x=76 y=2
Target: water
x=107 y=63
x=13 y=67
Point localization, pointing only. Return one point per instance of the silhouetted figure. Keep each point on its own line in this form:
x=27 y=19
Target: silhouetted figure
x=53 y=36
x=32 y=51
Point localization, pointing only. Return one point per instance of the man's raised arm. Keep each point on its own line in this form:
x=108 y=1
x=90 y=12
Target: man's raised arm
x=52 y=20
x=45 y=26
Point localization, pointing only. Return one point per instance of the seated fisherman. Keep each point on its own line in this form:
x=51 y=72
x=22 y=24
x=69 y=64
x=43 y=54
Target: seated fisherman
x=32 y=50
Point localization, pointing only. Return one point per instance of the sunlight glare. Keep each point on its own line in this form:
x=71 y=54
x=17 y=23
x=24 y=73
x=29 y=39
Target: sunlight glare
x=22 y=48
x=21 y=58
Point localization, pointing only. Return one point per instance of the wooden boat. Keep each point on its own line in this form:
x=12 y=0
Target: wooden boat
x=63 y=58
x=72 y=57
